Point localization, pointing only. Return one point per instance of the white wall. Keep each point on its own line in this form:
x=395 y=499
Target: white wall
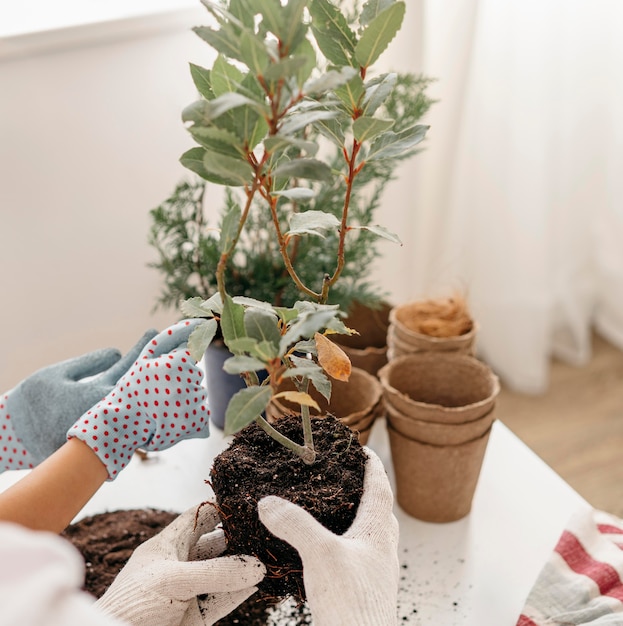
x=90 y=139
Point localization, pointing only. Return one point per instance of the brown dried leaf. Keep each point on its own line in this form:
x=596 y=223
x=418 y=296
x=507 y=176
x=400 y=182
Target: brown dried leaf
x=298 y=397
x=332 y=358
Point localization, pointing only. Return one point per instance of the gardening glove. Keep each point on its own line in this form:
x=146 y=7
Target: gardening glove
x=160 y=583
x=158 y=402
x=350 y=579
x=35 y=415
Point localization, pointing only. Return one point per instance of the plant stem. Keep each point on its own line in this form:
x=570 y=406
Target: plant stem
x=307 y=455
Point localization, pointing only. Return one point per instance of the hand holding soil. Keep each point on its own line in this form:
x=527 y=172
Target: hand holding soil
x=350 y=578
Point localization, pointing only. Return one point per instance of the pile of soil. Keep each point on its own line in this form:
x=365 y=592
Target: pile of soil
x=106 y=542
x=255 y=465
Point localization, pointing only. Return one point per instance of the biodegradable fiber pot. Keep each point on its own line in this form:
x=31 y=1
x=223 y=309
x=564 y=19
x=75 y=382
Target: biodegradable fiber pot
x=442 y=325
x=356 y=403
x=440 y=408
x=368 y=349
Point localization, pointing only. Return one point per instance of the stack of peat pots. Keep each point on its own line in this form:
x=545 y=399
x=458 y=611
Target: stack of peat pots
x=440 y=406
x=357 y=403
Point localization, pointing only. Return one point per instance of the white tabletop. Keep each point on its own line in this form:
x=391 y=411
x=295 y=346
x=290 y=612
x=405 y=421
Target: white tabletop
x=474 y=572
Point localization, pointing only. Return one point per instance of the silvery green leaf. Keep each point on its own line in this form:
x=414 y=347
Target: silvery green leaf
x=235 y=171
x=222 y=40
x=310 y=169
x=322 y=384
x=193 y=160
x=252 y=302
x=286 y=315
x=201 y=78
x=245 y=407
x=266 y=350
x=217 y=140
x=253 y=53
x=232 y=322
x=261 y=325
x=367 y=128
x=286 y=68
x=377 y=91
x=332 y=130
x=296 y=193
x=333 y=35
x=379 y=231
x=195 y=307
x=229 y=227
x=371 y=9
x=272 y=15
x=225 y=77
x=313 y=223
x=329 y=81
x=390 y=144
x=305 y=347
x=378 y=34
x=294 y=26
x=243 y=345
x=241 y=364
x=200 y=338
x=214 y=303
x=305 y=327
x=297 y=122
x=278 y=143
x=351 y=93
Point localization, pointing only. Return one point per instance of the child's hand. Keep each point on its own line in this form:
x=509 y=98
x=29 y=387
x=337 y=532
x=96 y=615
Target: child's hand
x=35 y=415
x=156 y=403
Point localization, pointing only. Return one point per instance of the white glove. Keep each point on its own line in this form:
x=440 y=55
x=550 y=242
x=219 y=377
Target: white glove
x=350 y=579
x=160 y=583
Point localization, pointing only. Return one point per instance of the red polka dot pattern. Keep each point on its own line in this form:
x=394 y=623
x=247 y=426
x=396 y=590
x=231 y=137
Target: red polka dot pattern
x=13 y=454
x=158 y=402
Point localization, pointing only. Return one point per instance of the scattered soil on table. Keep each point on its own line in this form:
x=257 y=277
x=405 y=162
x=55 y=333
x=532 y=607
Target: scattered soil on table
x=255 y=465
x=106 y=541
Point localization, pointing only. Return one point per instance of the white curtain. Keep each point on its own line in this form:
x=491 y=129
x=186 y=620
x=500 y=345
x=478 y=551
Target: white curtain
x=518 y=197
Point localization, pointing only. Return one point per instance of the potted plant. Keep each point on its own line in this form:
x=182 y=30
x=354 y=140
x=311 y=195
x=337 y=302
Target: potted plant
x=290 y=115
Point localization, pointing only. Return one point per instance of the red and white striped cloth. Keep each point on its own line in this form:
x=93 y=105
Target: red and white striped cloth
x=582 y=582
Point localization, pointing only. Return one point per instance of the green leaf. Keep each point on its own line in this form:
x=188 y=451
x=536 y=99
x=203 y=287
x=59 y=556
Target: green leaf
x=201 y=337
x=225 y=77
x=241 y=11
x=305 y=49
x=332 y=130
x=329 y=81
x=294 y=25
x=333 y=35
x=296 y=193
x=278 y=143
x=367 y=128
x=285 y=68
x=193 y=160
x=232 y=322
x=309 y=323
x=195 y=307
x=371 y=9
x=377 y=91
x=390 y=144
x=229 y=227
x=378 y=34
x=298 y=121
x=261 y=325
x=217 y=140
x=235 y=172
x=201 y=78
x=379 y=231
x=223 y=41
x=252 y=302
x=241 y=364
x=266 y=350
x=312 y=222
x=286 y=315
x=253 y=53
x=310 y=169
x=245 y=407
x=205 y=112
x=243 y=345
x=351 y=93
x=272 y=15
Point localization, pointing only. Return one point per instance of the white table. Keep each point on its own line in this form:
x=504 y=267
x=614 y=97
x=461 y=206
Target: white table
x=474 y=572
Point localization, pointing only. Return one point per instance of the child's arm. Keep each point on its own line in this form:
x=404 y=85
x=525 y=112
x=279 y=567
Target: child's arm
x=51 y=495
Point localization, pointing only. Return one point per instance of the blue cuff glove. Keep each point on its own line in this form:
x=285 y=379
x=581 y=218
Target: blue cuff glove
x=156 y=403
x=38 y=412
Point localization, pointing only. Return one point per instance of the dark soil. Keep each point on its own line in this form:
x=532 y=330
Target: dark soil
x=106 y=542
x=255 y=465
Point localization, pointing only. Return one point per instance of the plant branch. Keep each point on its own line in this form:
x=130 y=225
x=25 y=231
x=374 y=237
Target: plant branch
x=308 y=455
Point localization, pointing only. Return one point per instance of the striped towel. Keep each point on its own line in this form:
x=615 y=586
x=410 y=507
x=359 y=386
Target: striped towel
x=582 y=581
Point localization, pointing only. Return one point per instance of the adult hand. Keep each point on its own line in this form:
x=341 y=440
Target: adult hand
x=350 y=579
x=160 y=583
x=158 y=402
x=36 y=414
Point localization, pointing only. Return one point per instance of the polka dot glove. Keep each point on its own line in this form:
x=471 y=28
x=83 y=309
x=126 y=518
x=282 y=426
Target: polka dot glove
x=350 y=578
x=35 y=415
x=158 y=402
